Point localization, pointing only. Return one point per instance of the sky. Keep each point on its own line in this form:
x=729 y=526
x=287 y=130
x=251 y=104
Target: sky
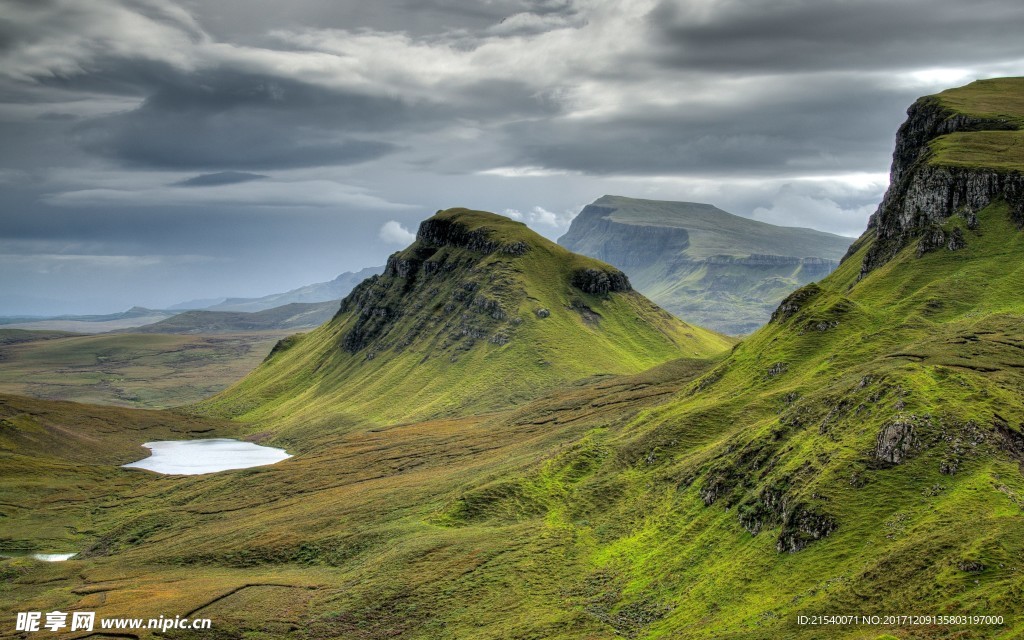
x=157 y=151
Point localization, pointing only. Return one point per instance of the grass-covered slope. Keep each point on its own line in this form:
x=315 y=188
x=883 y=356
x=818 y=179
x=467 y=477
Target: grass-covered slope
x=703 y=264
x=859 y=454
x=998 y=106
x=478 y=313
x=59 y=466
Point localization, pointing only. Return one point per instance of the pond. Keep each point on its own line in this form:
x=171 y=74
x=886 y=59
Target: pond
x=194 y=457
x=45 y=557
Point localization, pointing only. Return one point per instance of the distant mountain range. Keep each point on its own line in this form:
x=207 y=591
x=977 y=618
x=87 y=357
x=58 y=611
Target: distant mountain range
x=300 y=308
x=319 y=292
x=707 y=266
x=134 y=317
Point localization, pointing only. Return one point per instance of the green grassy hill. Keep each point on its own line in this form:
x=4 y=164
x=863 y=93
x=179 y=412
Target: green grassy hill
x=862 y=454
x=480 y=312
x=703 y=264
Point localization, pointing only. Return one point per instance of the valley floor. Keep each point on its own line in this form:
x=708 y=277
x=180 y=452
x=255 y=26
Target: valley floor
x=149 y=371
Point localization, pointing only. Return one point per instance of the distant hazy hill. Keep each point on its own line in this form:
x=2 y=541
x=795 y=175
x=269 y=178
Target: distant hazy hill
x=286 y=317
x=319 y=292
x=134 y=317
x=707 y=266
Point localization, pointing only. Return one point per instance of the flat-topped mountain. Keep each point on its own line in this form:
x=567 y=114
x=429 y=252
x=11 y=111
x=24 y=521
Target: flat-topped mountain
x=703 y=264
x=478 y=312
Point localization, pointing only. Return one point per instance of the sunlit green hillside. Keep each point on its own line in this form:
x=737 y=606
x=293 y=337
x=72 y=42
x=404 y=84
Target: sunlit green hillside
x=479 y=313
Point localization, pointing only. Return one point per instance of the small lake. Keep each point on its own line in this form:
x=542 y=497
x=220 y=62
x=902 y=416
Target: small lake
x=45 y=557
x=194 y=457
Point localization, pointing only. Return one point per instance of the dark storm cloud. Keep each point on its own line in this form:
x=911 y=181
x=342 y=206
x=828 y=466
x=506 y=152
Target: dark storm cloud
x=820 y=125
x=225 y=119
x=219 y=178
x=765 y=35
x=145 y=127
x=236 y=19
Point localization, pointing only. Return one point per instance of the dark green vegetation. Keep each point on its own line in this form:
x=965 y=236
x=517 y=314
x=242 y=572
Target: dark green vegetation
x=860 y=454
x=130 y=370
x=706 y=266
x=19 y=336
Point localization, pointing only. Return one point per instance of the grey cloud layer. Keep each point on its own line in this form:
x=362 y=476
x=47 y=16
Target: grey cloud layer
x=271 y=133
x=761 y=36
x=593 y=86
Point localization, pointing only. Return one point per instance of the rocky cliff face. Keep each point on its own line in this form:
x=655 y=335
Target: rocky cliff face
x=448 y=279
x=635 y=245
x=923 y=195
x=436 y=233
x=670 y=252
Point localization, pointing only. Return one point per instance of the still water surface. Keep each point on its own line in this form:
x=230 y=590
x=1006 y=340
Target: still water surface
x=45 y=557
x=193 y=457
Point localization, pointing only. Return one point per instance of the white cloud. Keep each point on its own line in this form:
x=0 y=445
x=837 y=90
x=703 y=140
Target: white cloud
x=792 y=209
x=392 y=232
x=524 y=172
x=543 y=221
x=56 y=263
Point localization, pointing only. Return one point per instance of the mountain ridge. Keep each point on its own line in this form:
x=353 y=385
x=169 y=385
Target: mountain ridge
x=289 y=316
x=331 y=290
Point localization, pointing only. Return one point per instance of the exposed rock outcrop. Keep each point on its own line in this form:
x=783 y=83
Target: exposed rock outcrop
x=600 y=282
x=794 y=302
x=635 y=245
x=895 y=441
x=922 y=196
x=700 y=263
x=449 y=233
x=803 y=525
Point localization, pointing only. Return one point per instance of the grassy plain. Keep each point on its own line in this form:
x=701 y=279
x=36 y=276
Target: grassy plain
x=130 y=370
